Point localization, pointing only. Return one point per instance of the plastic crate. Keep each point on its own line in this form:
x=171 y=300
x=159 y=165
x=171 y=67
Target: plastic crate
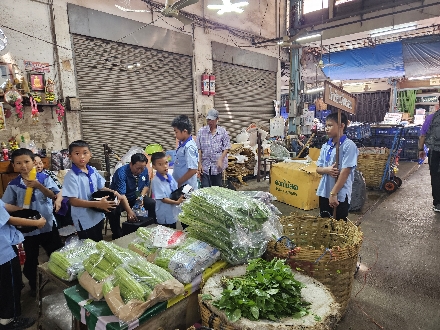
x=386 y=130
x=410 y=154
x=410 y=143
x=412 y=131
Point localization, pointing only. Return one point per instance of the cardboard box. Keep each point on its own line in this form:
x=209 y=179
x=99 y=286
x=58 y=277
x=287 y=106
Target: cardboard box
x=295 y=184
x=314 y=153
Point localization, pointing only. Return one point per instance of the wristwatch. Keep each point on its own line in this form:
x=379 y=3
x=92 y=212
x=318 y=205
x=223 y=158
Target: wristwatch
x=332 y=194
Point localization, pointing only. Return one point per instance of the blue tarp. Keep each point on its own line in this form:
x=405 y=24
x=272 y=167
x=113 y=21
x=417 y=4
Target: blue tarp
x=381 y=61
x=421 y=56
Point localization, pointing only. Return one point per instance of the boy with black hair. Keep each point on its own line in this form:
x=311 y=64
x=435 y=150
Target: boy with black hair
x=162 y=185
x=44 y=191
x=10 y=269
x=335 y=188
x=187 y=155
x=79 y=185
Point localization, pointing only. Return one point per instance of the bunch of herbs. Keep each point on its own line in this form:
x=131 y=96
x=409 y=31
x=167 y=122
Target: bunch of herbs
x=268 y=290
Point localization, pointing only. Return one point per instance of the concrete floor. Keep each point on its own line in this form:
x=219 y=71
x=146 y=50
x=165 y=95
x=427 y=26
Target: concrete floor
x=397 y=286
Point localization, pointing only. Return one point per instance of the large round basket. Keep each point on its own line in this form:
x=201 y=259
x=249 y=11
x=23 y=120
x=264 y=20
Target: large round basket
x=372 y=165
x=323 y=248
x=323 y=315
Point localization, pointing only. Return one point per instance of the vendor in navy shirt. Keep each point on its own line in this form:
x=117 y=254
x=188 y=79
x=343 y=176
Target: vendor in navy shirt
x=131 y=180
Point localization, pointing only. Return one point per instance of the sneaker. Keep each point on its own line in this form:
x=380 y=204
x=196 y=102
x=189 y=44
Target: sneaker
x=19 y=323
x=436 y=208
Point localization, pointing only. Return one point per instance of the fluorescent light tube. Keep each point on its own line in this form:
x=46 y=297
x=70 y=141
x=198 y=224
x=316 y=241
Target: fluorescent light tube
x=315 y=90
x=392 y=31
x=311 y=36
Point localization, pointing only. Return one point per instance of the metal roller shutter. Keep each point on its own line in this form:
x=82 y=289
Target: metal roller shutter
x=126 y=108
x=243 y=95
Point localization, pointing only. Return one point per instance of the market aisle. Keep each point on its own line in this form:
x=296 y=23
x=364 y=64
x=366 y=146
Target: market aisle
x=401 y=244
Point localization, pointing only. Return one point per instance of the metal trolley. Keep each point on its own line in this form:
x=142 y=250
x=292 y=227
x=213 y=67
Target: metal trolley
x=390 y=182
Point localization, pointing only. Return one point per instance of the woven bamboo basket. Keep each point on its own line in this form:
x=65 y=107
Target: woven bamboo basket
x=372 y=167
x=212 y=320
x=324 y=249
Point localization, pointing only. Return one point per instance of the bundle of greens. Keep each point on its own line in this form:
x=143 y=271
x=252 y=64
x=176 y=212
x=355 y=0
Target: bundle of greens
x=68 y=261
x=187 y=260
x=102 y=263
x=136 y=279
x=268 y=290
x=231 y=221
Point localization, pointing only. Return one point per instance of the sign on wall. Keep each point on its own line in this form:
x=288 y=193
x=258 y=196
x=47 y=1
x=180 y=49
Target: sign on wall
x=36 y=66
x=337 y=97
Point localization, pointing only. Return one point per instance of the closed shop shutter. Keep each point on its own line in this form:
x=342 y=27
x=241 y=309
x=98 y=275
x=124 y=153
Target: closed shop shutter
x=243 y=96
x=130 y=107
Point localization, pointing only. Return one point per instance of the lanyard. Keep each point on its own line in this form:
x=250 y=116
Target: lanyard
x=332 y=146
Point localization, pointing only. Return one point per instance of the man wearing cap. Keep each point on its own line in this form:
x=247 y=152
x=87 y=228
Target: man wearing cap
x=213 y=143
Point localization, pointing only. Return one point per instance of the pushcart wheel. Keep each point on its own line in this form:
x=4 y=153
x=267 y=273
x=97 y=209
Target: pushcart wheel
x=398 y=180
x=390 y=186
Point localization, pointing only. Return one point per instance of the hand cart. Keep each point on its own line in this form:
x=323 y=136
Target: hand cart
x=390 y=182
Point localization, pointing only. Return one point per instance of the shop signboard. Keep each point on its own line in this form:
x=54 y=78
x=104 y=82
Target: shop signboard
x=427 y=99
x=337 y=97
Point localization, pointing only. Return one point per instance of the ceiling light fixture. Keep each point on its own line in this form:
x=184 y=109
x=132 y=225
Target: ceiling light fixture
x=228 y=7
x=310 y=36
x=396 y=29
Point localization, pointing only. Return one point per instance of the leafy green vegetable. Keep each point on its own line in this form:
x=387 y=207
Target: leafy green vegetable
x=268 y=290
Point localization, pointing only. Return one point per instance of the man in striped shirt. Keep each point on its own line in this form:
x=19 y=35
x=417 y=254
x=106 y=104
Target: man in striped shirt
x=213 y=144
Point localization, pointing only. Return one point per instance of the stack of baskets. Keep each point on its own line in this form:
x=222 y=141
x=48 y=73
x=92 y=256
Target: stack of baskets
x=372 y=162
x=325 y=249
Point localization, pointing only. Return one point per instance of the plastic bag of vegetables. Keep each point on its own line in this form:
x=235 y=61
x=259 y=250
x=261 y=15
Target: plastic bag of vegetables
x=188 y=260
x=136 y=286
x=67 y=262
x=238 y=225
x=141 y=247
x=161 y=236
x=108 y=256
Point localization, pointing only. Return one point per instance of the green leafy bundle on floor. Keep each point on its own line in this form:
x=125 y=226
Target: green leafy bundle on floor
x=268 y=290
x=228 y=220
x=68 y=261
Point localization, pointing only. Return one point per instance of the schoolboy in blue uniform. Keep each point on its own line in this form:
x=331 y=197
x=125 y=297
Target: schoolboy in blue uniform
x=162 y=185
x=79 y=185
x=187 y=155
x=43 y=194
x=335 y=187
x=10 y=270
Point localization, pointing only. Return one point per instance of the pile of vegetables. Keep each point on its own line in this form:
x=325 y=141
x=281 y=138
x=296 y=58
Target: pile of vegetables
x=231 y=221
x=136 y=279
x=108 y=256
x=268 y=290
x=68 y=261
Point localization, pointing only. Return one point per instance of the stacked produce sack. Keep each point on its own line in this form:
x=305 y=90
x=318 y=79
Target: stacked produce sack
x=68 y=261
x=184 y=258
x=238 y=225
